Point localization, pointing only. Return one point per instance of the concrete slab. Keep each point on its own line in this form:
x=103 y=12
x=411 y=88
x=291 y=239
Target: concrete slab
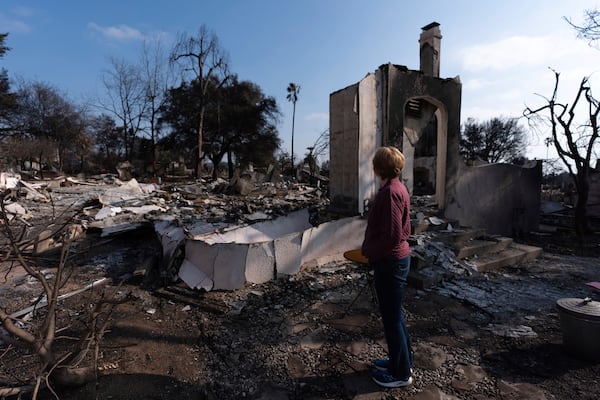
x=483 y=246
x=493 y=262
x=531 y=252
x=424 y=278
x=459 y=236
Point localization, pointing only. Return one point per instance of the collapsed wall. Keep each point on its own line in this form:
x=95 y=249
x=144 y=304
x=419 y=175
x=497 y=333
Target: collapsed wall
x=257 y=253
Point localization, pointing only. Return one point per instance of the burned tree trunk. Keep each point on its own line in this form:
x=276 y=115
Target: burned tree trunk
x=574 y=142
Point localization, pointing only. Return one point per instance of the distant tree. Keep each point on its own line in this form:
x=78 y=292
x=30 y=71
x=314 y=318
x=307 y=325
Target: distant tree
x=257 y=147
x=46 y=115
x=179 y=117
x=3 y=47
x=82 y=148
x=321 y=145
x=573 y=141
x=107 y=139
x=201 y=59
x=31 y=153
x=292 y=95
x=250 y=118
x=157 y=77
x=78 y=144
x=126 y=99
x=319 y=148
x=240 y=122
x=590 y=29
x=284 y=161
x=493 y=141
x=7 y=99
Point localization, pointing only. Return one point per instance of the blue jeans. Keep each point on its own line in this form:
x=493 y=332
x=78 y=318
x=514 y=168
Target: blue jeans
x=390 y=281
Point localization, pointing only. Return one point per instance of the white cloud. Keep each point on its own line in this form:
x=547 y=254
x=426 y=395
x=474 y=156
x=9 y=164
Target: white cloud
x=121 y=32
x=476 y=84
x=13 y=25
x=505 y=76
x=317 y=117
x=522 y=51
x=482 y=113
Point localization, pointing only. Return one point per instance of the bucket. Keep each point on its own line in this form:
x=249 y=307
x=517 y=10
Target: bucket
x=580 y=324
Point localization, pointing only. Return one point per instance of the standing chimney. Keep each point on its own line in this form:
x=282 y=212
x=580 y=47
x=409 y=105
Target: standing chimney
x=430 y=44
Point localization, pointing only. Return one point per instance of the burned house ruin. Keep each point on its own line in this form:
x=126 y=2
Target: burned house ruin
x=419 y=112
x=415 y=111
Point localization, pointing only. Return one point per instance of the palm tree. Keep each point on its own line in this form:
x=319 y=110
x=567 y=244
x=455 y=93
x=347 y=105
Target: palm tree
x=292 y=95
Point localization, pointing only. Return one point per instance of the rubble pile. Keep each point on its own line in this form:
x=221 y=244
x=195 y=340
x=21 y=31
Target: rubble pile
x=110 y=206
x=307 y=335
x=107 y=206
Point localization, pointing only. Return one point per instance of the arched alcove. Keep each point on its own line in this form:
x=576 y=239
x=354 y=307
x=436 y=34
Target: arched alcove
x=424 y=145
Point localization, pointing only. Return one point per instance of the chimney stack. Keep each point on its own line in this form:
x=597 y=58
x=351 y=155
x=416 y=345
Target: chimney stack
x=430 y=45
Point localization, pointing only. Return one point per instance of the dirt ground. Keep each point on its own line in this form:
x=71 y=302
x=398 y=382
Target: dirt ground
x=312 y=335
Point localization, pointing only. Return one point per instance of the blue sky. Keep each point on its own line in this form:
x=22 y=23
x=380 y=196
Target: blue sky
x=502 y=51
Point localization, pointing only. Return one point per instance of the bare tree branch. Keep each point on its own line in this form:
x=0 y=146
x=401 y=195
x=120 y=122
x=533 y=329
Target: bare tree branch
x=62 y=369
x=590 y=29
x=202 y=57
x=574 y=142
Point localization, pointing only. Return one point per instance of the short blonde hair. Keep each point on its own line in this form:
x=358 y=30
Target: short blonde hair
x=388 y=162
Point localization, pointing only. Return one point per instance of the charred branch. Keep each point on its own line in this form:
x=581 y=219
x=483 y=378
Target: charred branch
x=574 y=142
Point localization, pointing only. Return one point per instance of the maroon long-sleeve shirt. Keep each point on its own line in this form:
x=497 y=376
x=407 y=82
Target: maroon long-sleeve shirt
x=388 y=224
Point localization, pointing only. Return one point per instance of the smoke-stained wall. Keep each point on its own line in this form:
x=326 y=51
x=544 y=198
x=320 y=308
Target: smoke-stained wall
x=502 y=198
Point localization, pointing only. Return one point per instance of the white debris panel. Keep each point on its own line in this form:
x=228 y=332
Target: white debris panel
x=260 y=252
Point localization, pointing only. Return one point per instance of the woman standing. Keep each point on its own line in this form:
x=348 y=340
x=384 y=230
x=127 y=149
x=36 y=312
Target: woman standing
x=385 y=246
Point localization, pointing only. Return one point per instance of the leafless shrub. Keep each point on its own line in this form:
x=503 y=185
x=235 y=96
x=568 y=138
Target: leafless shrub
x=72 y=365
